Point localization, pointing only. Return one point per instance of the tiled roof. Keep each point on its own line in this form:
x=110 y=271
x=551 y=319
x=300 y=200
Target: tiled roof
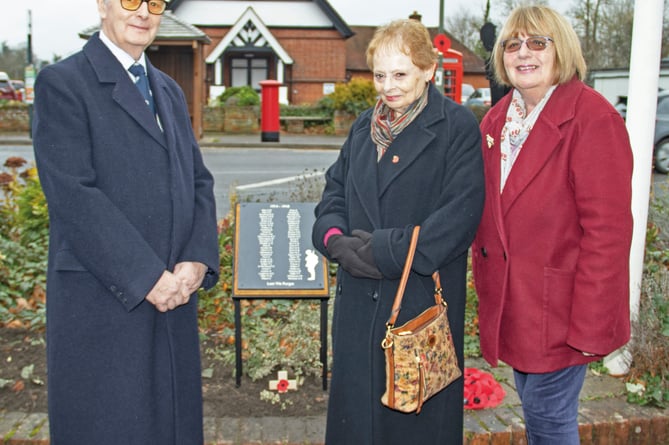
x=171 y=28
x=275 y=13
x=357 y=45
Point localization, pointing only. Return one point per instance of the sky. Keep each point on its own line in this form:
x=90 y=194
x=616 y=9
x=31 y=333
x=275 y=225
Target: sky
x=56 y=24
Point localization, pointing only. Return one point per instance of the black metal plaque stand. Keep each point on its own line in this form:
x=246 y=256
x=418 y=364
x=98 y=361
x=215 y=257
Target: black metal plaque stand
x=323 y=336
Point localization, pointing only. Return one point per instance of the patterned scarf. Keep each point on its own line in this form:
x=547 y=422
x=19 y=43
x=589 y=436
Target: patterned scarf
x=517 y=129
x=386 y=124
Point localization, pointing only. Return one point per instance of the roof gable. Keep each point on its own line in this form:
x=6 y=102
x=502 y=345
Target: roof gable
x=276 y=13
x=249 y=31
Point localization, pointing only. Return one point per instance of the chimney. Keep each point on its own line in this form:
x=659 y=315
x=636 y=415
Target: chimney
x=416 y=16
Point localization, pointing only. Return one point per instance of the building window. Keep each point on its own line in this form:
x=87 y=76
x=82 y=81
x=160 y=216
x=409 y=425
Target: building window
x=248 y=71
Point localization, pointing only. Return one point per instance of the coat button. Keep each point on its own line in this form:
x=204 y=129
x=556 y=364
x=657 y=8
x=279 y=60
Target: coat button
x=375 y=295
x=484 y=252
x=112 y=288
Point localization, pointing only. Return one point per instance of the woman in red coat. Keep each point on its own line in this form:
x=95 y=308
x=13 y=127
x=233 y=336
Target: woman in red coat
x=551 y=254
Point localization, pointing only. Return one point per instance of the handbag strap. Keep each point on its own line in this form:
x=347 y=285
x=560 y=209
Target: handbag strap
x=397 y=304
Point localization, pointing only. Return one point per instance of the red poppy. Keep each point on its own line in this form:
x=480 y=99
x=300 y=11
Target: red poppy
x=482 y=390
x=282 y=386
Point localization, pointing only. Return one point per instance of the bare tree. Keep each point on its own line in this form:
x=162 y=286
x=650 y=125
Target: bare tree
x=605 y=30
x=503 y=9
x=13 y=60
x=585 y=19
x=603 y=26
x=465 y=26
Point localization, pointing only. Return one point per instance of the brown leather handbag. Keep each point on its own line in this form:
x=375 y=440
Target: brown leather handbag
x=420 y=354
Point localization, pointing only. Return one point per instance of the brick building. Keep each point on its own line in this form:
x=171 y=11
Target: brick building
x=209 y=45
x=304 y=44
x=299 y=43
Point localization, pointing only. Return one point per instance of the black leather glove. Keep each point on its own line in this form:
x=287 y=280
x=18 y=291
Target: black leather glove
x=365 y=252
x=343 y=249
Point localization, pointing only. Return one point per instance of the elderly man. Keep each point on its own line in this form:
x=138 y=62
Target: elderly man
x=133 y=237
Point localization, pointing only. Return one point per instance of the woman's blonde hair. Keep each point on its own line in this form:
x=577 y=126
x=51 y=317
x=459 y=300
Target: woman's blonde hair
x=542 y=21
x=409 y=37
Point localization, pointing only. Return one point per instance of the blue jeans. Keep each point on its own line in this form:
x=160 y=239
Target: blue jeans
x=550 y=405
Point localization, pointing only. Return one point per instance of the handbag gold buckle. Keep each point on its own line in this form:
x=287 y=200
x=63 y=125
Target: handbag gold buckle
x=387 y=342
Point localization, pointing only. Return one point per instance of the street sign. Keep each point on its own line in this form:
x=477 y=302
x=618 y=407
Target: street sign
x=29 y=80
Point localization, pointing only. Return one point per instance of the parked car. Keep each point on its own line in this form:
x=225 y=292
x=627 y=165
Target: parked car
x=661 y=140
x=467 y=90
x=480 y=97
x=621 y=106
x=6 y=89
x=19 y=88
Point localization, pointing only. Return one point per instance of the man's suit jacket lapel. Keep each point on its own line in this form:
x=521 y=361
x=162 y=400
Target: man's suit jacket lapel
x=125 y=93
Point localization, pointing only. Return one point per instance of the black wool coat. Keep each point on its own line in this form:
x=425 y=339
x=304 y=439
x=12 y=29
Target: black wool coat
x=126 y=202
x=432 y=176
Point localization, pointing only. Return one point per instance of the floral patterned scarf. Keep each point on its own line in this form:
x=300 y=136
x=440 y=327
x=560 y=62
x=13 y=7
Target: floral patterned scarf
x=517 y=129
x=386 y=124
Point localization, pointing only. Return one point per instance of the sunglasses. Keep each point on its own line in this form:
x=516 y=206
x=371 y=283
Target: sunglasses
x=535 y=43
x=156 y=7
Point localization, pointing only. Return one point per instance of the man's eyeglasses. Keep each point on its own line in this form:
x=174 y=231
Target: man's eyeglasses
x=156 y=7
x=535 y=43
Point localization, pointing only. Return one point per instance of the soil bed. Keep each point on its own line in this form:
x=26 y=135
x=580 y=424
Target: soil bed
x=222 y=398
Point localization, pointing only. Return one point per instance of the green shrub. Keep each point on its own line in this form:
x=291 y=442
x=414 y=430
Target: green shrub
x=472 y=345
x=353 y=97
x=12 y=103
x=304 y=110
x=648 y=378
x=24 y=233
x=241 y=96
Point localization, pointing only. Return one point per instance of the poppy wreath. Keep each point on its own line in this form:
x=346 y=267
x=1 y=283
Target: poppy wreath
x=482 y=390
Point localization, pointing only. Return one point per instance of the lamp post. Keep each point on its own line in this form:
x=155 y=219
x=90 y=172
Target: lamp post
x=439 y=74
x=29 y=75
x=29 y=47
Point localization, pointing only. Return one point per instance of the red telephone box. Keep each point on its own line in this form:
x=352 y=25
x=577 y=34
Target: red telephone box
x=452 y=66
x=453 y=75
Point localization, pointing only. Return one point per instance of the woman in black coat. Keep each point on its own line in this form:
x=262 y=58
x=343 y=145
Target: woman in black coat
x=414 y=159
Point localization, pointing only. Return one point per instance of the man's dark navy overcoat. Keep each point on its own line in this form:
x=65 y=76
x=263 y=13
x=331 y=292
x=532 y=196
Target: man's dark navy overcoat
x=126 y=202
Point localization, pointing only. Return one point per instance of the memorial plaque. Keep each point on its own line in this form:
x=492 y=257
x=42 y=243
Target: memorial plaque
x=274 y=255
x=274 y=258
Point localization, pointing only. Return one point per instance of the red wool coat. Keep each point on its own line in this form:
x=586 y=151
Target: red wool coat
x=551 y=256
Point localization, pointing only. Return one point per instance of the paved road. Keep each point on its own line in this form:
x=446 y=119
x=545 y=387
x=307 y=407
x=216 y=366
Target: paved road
x=269 y=173
x=265 y=174
x=253 y=173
